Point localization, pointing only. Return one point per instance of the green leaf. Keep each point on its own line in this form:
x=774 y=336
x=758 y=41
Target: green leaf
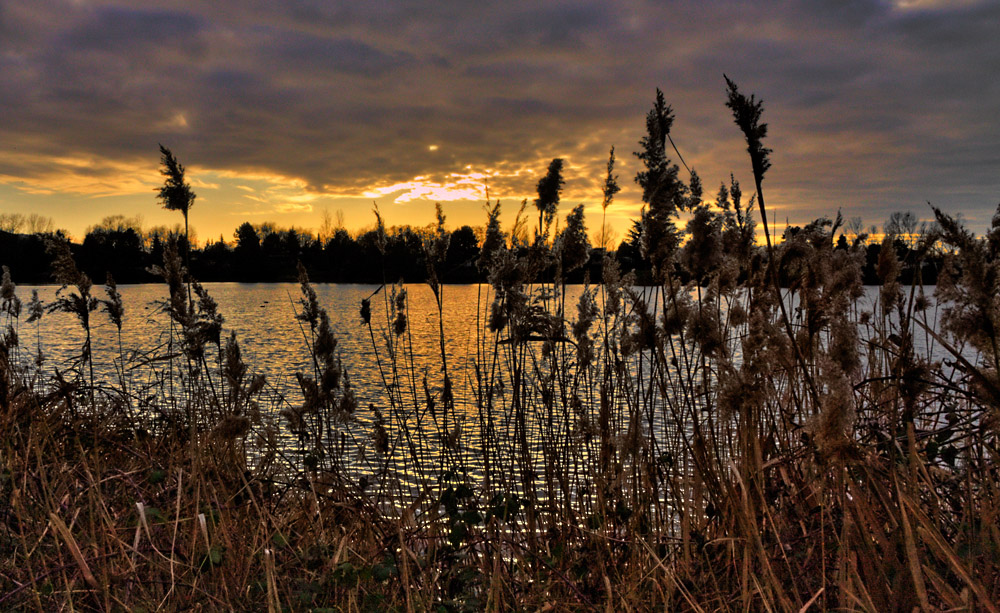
x=373 y=602
x=345 y=574
x=279 y=540
x=383 y=572
x=155 y=515
x=211 y=514
x=212 y=558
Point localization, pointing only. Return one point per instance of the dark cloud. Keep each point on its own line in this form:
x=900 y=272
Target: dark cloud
x=124 y=30
x=309 y=54
x=871 y=105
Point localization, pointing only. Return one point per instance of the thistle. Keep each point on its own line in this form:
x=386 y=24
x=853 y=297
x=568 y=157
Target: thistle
x=234 y=369
x=200 y=321
x=398 y=310
x=611 y=186
x=366 y=311
x=586 y=313
x=11 y=305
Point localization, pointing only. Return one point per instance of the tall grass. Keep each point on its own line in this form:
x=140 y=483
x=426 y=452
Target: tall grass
x=748 y=433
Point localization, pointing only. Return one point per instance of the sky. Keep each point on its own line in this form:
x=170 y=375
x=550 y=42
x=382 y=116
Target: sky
x=283 y=110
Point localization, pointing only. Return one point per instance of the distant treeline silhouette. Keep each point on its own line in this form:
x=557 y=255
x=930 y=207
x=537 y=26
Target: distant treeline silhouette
x=264 y=253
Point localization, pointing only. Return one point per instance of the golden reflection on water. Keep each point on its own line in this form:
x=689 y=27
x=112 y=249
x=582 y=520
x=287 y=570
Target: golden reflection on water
x=274 y=343
x=394 y=373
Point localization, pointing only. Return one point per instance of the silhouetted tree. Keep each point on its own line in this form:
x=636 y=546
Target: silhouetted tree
x=629 y=253
x=26 y=255
x=247 y=252
x=214 y=262
x=117 y=250
x=341 y=257
x=463 y=250
x=404 y=256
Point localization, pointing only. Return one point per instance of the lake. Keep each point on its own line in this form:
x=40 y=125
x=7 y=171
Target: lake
x=274 y=344
x=263 y=317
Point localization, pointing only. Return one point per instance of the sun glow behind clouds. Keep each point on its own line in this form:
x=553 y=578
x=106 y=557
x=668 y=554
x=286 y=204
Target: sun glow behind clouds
x=933 y=4
x=468 y=185
x=264 y=194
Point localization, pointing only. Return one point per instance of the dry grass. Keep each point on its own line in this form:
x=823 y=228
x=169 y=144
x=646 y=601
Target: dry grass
x=745 y=435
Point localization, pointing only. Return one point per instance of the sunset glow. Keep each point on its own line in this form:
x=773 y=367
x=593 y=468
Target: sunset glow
x=280 y=114
x=651 y=305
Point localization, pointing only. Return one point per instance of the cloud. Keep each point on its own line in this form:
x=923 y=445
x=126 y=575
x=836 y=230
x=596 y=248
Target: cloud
x=119 y=30
x=76 y=174
x=873 y=106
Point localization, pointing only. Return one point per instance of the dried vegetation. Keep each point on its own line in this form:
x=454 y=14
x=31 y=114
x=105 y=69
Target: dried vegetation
x=747 y=434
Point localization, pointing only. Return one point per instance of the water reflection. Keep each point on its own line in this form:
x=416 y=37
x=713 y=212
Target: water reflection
x=400 y=375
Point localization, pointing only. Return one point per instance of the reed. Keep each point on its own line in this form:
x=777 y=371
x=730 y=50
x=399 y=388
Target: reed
x=747 y=433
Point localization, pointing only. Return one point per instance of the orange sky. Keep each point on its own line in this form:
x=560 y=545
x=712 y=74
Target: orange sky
x=282 y=111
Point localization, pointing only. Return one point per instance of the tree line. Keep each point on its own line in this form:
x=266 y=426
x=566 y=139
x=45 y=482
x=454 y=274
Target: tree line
x=264 y=253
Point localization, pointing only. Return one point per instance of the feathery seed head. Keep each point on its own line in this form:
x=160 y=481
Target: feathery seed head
x=309 y=301
x=11 y=304
x=36 y=308
x=366 y=311
x=175 y=194
x=114 y=306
